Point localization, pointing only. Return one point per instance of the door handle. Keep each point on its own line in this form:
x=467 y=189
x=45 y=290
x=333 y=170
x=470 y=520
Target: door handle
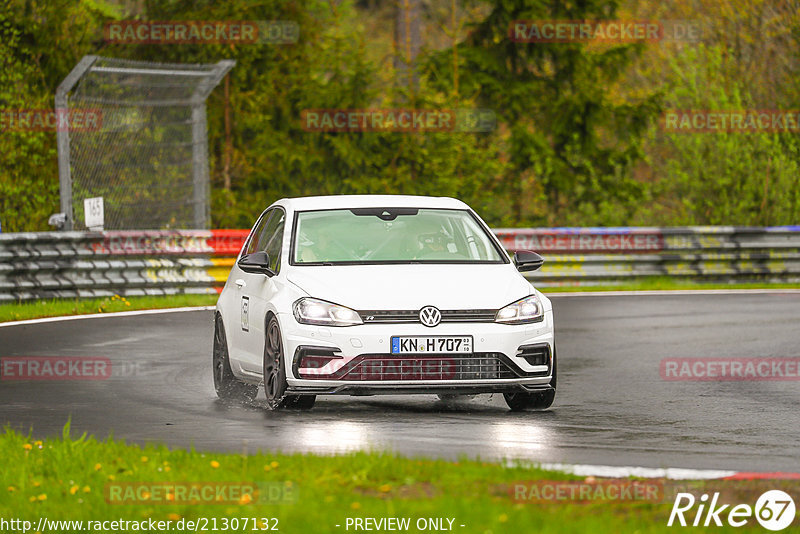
x=240 y=283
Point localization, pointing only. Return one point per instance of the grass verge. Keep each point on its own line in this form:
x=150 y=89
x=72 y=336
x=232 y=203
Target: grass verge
x=73 y=479
x=58 y=307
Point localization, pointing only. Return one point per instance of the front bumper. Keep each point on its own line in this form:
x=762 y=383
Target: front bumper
x=497 y=364
x=359 y=389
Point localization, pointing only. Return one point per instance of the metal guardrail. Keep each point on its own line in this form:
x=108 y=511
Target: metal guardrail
x=100 y=264
x=129 y=263
x=609 y=256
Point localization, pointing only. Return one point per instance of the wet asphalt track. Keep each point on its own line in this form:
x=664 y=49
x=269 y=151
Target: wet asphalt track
x=612 y=407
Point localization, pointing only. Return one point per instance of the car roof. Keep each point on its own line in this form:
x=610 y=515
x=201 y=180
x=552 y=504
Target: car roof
x=369 y=201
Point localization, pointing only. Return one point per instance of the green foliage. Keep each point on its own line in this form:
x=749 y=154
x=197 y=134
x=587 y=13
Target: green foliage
x=725 y=178
x=575 y=144
x=571 y=146
x=25 y=195
x=328 y=69
x=39 y=44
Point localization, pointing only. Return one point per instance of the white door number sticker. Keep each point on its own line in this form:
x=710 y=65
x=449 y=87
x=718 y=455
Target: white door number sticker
x=245 y=316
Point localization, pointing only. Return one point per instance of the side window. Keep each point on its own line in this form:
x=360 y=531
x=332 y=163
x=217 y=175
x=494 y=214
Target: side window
x=268 y=236
x=274 y=239
x=258 y=233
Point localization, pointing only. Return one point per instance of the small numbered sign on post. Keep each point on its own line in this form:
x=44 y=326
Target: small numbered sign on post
x=93 y=213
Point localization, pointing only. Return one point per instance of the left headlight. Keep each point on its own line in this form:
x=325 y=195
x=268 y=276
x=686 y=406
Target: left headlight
x=527 y=310
x=315 y=311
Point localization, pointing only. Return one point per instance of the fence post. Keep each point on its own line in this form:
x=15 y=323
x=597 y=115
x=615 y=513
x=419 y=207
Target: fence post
x=200 y=172
x=62 y=137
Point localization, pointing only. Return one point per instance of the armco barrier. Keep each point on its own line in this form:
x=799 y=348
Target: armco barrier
x=87 y=264
x=608 y=256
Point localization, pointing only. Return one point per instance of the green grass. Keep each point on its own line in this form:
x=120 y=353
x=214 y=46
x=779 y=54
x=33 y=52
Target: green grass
x=54 y=308
x=660 y=283
x=66 y=478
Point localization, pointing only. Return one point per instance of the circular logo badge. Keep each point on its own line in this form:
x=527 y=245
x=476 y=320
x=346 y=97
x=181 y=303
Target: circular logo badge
x=430 y=316
x=775 y=510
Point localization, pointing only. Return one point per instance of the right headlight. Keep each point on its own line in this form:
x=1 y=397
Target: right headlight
x=527 y=310
x=308 y=310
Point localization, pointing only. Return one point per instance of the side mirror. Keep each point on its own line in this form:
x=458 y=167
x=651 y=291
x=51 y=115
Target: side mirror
x=525 y=260
x=256 y=263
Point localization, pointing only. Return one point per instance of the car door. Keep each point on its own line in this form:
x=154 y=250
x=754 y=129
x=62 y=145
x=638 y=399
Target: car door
x=258 y=289
x=239 y=320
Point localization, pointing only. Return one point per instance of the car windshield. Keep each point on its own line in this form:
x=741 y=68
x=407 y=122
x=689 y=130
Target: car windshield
x=391 y=235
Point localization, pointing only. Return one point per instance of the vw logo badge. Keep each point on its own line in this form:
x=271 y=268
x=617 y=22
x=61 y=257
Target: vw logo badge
x=430 y=316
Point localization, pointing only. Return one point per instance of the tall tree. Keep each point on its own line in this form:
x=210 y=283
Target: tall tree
x=571 y=145
x=407 y=43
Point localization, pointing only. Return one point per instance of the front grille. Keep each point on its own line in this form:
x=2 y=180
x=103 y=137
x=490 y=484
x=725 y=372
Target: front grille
x=379 y=367
x=412 y=316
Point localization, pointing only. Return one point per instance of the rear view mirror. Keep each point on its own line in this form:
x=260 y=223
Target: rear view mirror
x=525 y=261
x=256 y=263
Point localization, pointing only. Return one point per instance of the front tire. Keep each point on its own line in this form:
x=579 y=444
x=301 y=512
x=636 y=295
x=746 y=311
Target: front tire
x=227 y=386
x=535 y=400
x=274 y=371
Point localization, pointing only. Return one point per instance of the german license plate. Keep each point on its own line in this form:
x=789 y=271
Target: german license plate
x=431 y=344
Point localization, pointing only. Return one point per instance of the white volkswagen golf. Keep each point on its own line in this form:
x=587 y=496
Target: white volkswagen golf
x=363 y=295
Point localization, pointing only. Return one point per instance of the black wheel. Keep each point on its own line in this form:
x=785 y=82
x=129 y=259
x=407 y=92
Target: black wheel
x=275 y=373
x=535 y=400
x=227 y=386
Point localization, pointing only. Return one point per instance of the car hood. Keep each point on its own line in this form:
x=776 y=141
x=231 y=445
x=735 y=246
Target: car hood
x=410 y=287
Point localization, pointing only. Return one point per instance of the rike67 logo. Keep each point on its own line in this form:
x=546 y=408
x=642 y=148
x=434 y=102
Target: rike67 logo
x=774 y=510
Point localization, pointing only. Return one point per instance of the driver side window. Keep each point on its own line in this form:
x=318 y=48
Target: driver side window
x=258 y=233
x=268 y=237
x=274 y=241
